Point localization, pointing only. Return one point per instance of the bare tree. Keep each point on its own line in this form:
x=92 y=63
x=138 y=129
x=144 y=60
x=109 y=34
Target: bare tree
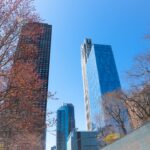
x=14 y=13
x=116 y=122
x=138 y=97
x=116 y=113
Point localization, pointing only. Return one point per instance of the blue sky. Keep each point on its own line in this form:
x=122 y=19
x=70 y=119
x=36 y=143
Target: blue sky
x=120 y=23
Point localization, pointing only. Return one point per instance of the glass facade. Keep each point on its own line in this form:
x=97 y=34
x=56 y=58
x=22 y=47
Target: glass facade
x=65 y=124
x=39 y=35
x=53 y=148
x=99 y=78
x=83 y=140
x=93 y=90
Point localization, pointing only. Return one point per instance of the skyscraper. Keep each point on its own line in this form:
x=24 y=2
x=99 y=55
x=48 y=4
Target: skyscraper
x=39 y=35
x=99 y=78
x=65 y=124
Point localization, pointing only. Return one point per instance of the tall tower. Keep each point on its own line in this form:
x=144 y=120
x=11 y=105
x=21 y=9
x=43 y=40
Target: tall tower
x=65 y=124
x=99 y=78
x=85 y=51
x=39 y=35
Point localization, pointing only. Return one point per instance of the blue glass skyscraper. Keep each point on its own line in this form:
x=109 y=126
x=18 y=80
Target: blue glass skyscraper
x=99 y=78
x=65 y=124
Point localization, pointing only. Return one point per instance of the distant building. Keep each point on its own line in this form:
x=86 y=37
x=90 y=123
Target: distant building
x=65 y=124
x=53 y=148
x=83 y=140
x=99 y=78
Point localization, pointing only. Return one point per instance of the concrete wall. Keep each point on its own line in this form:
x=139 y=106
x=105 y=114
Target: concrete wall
x=137 y=140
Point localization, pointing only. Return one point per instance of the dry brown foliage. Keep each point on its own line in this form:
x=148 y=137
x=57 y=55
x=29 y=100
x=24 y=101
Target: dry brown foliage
x=21 y=88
